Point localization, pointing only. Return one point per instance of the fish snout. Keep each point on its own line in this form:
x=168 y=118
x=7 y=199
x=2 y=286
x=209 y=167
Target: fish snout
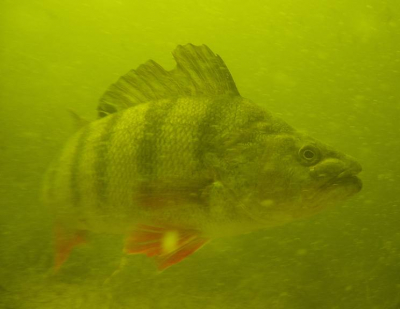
x=352 y=168
x=327 y=168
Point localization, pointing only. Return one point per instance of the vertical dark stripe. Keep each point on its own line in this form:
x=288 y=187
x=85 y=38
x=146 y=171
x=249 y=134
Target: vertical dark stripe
x=147 y=155
x=75 y=166
x=218 y=118
x=101 y=163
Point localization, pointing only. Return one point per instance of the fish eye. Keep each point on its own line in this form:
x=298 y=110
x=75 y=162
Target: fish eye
x=309 y=155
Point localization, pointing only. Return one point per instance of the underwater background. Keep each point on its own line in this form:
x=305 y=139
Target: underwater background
x=330 y=68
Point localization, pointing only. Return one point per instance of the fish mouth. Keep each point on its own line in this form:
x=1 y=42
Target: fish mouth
x=338 y=175
x=345 y=179
x=353 y=181
x=352 y=184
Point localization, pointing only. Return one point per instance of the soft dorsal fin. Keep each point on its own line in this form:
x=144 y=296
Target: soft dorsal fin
x=198 y=72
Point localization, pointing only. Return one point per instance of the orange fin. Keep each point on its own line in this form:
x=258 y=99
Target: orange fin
x=167 y=245
x=65 y=241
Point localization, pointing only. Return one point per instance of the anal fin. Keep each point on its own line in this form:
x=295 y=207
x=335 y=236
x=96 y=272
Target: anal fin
x=167 y=245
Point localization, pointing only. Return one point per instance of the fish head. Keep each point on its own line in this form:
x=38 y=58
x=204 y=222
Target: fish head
x=300 y=176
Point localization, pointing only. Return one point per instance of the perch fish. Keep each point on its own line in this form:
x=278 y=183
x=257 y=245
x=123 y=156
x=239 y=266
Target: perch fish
x=178 y=158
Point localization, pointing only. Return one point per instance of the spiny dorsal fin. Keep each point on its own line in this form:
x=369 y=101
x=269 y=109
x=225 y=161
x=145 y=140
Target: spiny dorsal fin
x=198 y=72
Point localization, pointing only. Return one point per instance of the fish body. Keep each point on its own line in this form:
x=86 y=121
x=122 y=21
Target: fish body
x=179 y=157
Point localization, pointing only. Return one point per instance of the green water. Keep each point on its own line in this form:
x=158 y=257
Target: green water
x=330 y=68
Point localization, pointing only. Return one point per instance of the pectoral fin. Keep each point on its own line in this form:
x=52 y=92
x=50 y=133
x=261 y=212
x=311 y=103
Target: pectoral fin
x=167 y=245
x=65 y=241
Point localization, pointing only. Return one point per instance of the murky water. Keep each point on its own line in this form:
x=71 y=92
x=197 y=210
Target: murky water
x=329 y=68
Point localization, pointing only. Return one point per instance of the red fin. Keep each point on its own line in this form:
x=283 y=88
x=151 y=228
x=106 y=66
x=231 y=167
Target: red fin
x=167 y=245
x=65 y=241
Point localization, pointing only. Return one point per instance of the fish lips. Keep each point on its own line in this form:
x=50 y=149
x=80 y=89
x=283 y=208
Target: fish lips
x=346 y=179
x=351 y=181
